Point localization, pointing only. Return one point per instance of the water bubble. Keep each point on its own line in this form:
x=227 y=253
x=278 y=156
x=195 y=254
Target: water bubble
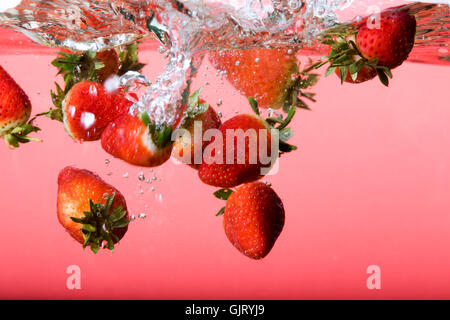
x=107 y=161
x=133 y=217
x=153 y=189
x=142 y=216
x=93 y=90
x=112 y=83
x=257 y=60
x=219 y=102
x=87 y=119
x=238 y=63
x=125 y=175
x=141 y=176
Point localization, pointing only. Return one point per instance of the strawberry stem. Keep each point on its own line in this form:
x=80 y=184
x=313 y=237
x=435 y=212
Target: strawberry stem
x=99 y=223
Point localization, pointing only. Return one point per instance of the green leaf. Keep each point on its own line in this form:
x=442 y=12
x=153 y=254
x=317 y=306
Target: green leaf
x=223 y=194
x=254 y=105
x=383 y=77
x=145 y=118
x=221 y=212
x=330 y=71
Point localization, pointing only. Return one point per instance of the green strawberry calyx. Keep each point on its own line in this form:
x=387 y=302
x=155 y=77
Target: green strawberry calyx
x=345 y=56
x=296 y=94
x=78 y=67
x=223 y=194
x=20 y=134
x=161 y=134
x=280 y=124
x=100 y=222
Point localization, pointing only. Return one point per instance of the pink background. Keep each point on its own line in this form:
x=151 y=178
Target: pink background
x=369 y=185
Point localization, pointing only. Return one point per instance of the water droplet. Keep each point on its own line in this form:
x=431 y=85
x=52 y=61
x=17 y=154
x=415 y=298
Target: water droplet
x=153 y=188
x=87 y=119
x=238 y=63
x=142 y=216
x=219 y=102
x=93 y=90
x=133 y=217
x=107 y=161
x=257 y=60
x=125 y=175
x=141 y=176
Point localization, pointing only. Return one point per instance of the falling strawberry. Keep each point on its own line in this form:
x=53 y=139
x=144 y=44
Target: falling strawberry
x=15 y=110
x=362 y=51
x=253 y=218
x=88 y=108
x=92 y=211
x=243 y=163
x=89 y=66
x=138 y=141
x=198 y=111
x=271 y=76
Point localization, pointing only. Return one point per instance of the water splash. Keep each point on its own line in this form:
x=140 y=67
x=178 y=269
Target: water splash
x=189 y=28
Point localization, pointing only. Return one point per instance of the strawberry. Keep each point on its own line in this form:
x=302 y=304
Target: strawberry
x=110 y=61
x=227 y=168
x=15 y=110
x=88 y=109
x=93 y=212
x=253 y=218
x=138 y=141
x=368 y=49
x=271 y=76
x=197 y=111
x=89 y=66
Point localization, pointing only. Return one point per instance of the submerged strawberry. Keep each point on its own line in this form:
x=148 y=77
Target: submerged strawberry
x=88 y=108
x=271 y=76
x=15 y=110
x=371 y=47
x=249 y=155
x=253 y=218
x=138 y=141
x=89 y=66
x=93 y=212
x=198 y=112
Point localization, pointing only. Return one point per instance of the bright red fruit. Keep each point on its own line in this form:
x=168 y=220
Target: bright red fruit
x=253 y=219
x=392 y=42
x=372 y=47
x=227 y=175
x=185 y=143
x=15 y=110
x=268 y=75
x=88 y=109
x=93 y=212
x=135 y=140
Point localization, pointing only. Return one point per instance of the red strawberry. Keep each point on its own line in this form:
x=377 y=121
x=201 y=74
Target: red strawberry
x=92 y=211
x=137 y=141
x=253 y=218
x=371 y=49
x=392 y=42
x=244 y=165
x=111 y=62
x=88 y=109
x=198 y=111
x=271 y=76
x=15 y=110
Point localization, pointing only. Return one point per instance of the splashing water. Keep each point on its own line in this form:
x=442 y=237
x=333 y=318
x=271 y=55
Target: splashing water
x=189 y=28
